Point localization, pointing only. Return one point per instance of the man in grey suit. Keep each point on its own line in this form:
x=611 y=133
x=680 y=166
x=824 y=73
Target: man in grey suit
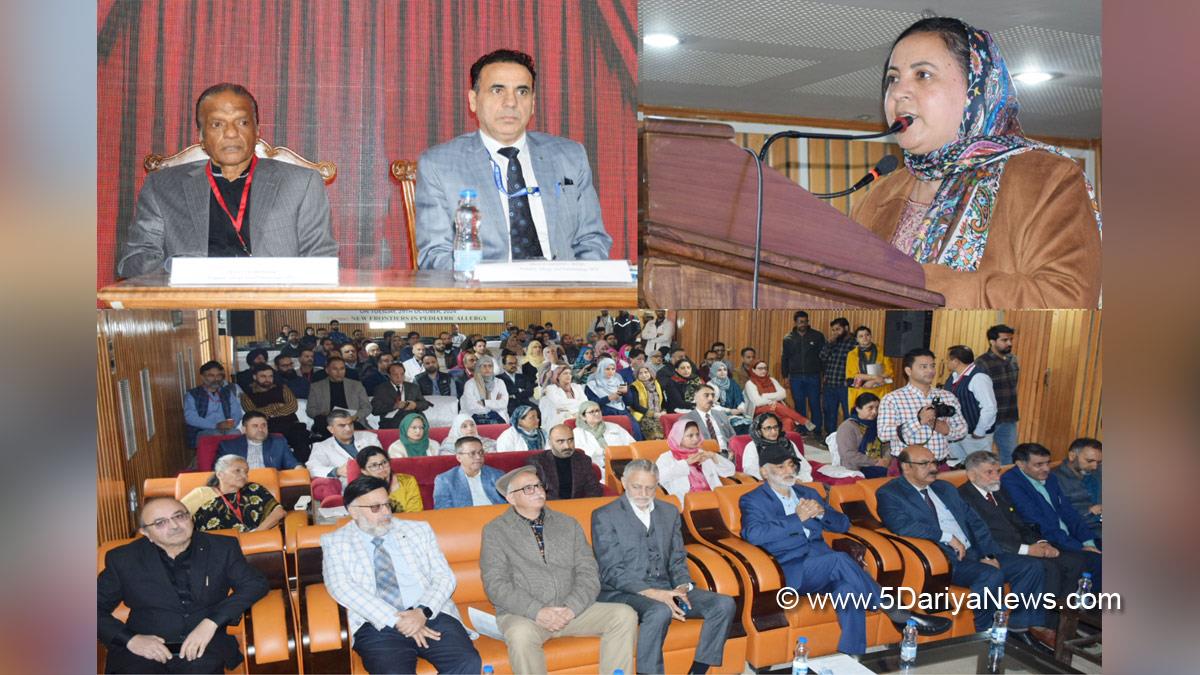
x=713 y=423
x=336 y=391
x=539 y=572
x=234 y=205
x=639 y=548
x=536 y=198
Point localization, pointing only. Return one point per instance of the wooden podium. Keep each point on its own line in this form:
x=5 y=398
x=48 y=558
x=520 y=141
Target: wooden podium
x=697 y=202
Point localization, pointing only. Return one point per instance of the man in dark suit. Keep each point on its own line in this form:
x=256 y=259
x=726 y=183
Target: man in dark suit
x=177 y=585
x=787 y=520
x=916 y=504
x=1040 y=501
x=396 y=398
x=713 y=423
x=520 y=387
x=639 y=547
x=257 y=446
x=566 y=473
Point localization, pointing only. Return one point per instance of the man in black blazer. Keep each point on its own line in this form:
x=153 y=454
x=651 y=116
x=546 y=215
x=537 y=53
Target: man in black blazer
x=638 y=544
x=520 y=386
x=566 y=473
x=177 y=584
x=983 y=494
x=396 y=398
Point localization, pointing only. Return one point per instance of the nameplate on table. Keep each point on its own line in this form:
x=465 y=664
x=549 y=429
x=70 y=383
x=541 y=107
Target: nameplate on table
x=254 y=272
x=555 y=271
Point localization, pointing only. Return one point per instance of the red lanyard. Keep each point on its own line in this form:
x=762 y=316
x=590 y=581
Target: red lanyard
x=237 y=222
x=237 y=510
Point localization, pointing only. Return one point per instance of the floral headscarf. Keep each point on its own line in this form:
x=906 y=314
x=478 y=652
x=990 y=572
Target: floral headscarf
x=605 y=386
x=534 y=440
x=971 y=167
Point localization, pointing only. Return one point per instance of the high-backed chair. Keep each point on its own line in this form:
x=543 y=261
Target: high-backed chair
x=438 y=434
x=195 y=153
x=668 y=420
x=405 y=172
x=615 y=459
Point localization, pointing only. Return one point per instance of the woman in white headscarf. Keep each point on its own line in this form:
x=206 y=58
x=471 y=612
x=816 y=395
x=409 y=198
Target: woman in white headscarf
x=485 y=398
x=593 y=435
x=609 y=389
x=561 y=398
x=464 y=425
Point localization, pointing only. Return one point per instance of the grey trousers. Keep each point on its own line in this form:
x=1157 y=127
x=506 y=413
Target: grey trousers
x=654 y=619
x=614 y=623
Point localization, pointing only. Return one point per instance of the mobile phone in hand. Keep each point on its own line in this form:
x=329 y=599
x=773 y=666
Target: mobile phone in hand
x=682 y=604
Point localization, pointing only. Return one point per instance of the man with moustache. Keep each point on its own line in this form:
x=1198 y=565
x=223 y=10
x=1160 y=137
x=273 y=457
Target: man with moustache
x=519 y=386
x=278 y=403
x=395 y=398
x=1081 y=480
x=566 y=473
x=232 y=205
x=377 y=373
x=258 y=447
x=471 y=483
x=336 y=391
x=1001 y=365
x=413 y=366
x=331 y=457
x=535 y=194
x=213 y=408
x=434 y=382
x=306 y=373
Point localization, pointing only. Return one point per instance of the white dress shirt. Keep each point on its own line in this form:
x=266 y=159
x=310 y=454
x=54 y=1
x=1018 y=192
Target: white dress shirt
x=535 y=202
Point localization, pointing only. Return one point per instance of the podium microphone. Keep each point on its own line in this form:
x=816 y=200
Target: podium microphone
x=885 y=166
x=897 y=127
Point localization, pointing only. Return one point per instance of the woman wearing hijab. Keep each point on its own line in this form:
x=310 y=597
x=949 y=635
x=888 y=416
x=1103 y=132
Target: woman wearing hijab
x=648 y=402
x=414 y=438
x=729 y=396
x=859 y=376
x=464 y=425
x=552 y=358
x=996 y=219
x=585 y=364
x=533 y=360
x=686 y=467
x=484 y=397
x=404 y=494
x=858 y=444
x=681 y=386
x=766 y=431
x=561 y=398
x=593 y=435
x=525 y=433
x=608 y=389
x=765 y=394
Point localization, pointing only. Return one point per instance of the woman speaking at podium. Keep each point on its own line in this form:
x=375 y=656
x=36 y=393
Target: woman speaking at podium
x=996 y=219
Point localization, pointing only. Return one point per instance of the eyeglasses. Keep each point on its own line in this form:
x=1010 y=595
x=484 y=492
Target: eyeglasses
x=375 y=466
x=471 y=453
x=925 y=463
x=530 y=489
x=179 y=517
x=374 y=508
x=770 y=427
x=647 y=489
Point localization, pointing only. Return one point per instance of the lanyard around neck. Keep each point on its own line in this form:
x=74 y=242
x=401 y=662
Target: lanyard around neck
x=534 y=191
x=245 y=198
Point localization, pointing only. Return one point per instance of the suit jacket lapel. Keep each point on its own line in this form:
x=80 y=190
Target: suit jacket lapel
x=549 y=175
x=263 y=192
x=196 y=190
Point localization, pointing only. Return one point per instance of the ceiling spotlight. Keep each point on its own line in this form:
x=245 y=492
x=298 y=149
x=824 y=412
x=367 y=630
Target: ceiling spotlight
x=1033 y=77
x=660 y=40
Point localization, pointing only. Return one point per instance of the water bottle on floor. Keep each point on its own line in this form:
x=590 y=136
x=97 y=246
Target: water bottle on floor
x=1000 y=627
x=800 y=660
x=467 y=249
x=908 y=645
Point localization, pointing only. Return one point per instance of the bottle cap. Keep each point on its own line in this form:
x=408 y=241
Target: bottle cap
x=1087 y=575
x=802 y=639
x=467 y=193
x=912 y=622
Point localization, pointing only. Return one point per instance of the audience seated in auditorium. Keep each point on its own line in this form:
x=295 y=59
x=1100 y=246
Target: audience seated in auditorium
x=566 y=472
x=608 y=389
x=540 y=574
x=916 y=504
x=254 y=357
x=213 y=408
x=977 y=399
x=647 y=402
x=765 y=394
x=413 y=440
x=403 y=492
x=526 y=433
x=257 y=446
x=279 y=405
x=729 y=398
x=907 y=416
x=483 y=396
x=1081 y=480
x=593 y=434
x=161 y=632
x=1040 y=501
x=331 y=456
x=681 y=385
x=741 y=373
x=788 y=520
x=396 y=586
x=638 y=543
x=686 y=467
x=585 y=364
x=434 y=382
x=982 y=493
x=766 y=432
x=464 y=425
x=306 y=373
x=714 y=423
x=561 y=397
x=230 y=501
x=471 y=483
x=519 y=383
x=395 y=398
x=857 y=440
x=336 y=391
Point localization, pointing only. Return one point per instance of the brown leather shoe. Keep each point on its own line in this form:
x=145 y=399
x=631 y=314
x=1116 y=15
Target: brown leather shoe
x=1046 y=636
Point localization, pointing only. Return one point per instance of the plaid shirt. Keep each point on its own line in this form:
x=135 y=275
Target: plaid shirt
x=898 y=413
x=833 y=360
x=1004 y=373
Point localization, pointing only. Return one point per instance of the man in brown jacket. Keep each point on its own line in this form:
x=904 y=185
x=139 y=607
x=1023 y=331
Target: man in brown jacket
x=539 y=572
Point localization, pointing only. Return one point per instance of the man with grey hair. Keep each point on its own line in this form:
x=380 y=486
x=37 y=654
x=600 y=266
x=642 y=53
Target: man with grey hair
x=638 y=543
x=331 y=456
x=539 y=573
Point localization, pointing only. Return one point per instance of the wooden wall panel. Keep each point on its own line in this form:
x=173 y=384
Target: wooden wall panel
x=142 y=339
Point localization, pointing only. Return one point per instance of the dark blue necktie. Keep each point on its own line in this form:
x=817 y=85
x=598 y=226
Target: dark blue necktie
x=524 y=237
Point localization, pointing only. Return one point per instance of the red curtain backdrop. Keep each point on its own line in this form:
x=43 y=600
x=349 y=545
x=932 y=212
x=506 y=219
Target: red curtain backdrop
x=359 y=83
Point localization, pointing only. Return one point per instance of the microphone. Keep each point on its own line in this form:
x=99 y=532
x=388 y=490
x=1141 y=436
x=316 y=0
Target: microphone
x=885 y=166
x=899 y=126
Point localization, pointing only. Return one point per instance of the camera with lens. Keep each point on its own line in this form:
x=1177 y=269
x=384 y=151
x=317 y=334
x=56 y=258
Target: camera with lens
x=941 y=410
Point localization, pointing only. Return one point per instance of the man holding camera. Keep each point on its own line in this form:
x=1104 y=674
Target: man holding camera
x=920 y=413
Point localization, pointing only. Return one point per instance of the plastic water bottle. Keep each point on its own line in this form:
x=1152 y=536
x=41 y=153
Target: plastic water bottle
x=1000 y=627
x=1083 y=590
x=908 y=645
x=995 y=658
x=467 y=249
x=800 y=660
x=488 y=669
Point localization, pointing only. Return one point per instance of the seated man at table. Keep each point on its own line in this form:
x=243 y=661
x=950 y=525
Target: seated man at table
x=257 y=446
x=471 y=483
x=333 y=392
x=396 y=586
x=638 y=543
x=535 y=194
x=566 y=472
x=232 y=205
x=787 y=520
x=916 y=504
